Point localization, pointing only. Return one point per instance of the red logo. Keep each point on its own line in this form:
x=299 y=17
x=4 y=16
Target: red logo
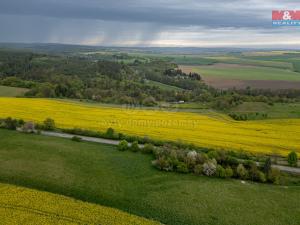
x=286 y=15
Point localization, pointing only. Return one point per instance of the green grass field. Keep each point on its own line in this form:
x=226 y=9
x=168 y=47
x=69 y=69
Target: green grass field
x=192 y=60
x=127 y=181
x=293 y=58
x=11 y=91
x=276 y=111
x=286 y=57
x=247 y=73
x=264 y=62
x=296 y=65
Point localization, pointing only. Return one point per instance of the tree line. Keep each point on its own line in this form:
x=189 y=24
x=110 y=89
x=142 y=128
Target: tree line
x=64 y=76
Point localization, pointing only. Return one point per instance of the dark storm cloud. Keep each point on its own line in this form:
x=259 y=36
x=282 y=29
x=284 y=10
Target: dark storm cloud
x=144 y=22
x=186 y=12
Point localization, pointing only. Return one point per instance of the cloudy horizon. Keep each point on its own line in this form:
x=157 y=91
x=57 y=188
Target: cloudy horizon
x=169 y=23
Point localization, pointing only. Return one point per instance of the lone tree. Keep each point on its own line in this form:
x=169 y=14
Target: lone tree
x=49 y=124
x=110 y=132
x=209 y=168
x=241 y=171
x=135 y=147
x=267 y=165
x=148 y=148
x=123 y=145
x=293 y=159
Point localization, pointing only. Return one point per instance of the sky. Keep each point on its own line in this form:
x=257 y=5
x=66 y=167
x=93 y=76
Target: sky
x=168 y=23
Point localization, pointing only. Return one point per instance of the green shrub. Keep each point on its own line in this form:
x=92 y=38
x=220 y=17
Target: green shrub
x=267 y=165
x=182 y=167
x=201 y=158
x=135 y=147
x=222 y=156
x=110 y=133
x=213 y=155
x=233 y=161
x=21 y=122
x=147 y=149
x=78 y=131
x=261 y=177
x=181 y=155
x=123 y=145
x=243 y=155
x=173 y=157
x=220 y=171
x=162 y=163
x=76 y=139
x=10 y=123
x=254 y=172
x=121 y=136
x=198 y=169
x=228 y=172
x=49 y=124
x=174 y=162
x=274 y=176
x=293 y=159
x=248 y=163
x=241 y=171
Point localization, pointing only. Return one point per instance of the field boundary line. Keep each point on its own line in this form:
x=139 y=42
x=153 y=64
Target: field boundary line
x=114 y=142
x=43 y=213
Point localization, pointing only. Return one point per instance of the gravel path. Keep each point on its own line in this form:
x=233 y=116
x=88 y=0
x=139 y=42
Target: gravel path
x=84 y=138
x=114 y=142
x=288 y=169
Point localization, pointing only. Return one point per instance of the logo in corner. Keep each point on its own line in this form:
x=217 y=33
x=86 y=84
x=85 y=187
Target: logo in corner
x=286 y=17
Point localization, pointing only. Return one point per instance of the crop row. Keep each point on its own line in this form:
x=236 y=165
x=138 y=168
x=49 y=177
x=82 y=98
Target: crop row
x=27 y=206
x=268 y=136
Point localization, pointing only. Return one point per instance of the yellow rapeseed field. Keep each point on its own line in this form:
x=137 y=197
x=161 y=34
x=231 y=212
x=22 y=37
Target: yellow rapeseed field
x=268 y=136
x=26 y=206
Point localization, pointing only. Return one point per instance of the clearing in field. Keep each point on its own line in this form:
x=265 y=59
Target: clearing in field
x=240 y=76
x=37 y=207
x=268 y=136
x=276 y=111
x=12 y=91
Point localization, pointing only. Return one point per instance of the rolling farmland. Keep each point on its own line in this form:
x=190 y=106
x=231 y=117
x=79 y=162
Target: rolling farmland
x=268 y=136
x=103 y=175
x=232 y=71
x=240 y=76
x=149 y=112
x=36 y=207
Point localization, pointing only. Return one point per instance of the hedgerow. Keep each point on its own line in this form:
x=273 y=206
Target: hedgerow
x=178 y=157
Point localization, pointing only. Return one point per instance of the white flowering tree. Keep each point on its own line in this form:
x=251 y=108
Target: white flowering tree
x=210 y=167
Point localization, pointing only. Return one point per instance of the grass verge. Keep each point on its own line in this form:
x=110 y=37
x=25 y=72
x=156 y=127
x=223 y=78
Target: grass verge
x=127 y=181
